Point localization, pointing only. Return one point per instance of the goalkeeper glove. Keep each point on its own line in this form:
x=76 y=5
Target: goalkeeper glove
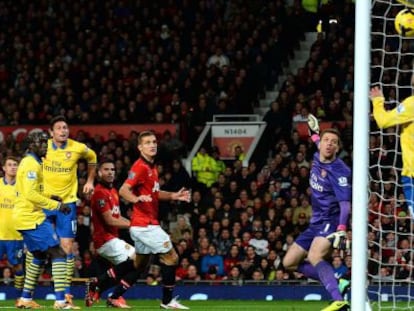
x=313 y=125
x=64 y=208
x=338 y=238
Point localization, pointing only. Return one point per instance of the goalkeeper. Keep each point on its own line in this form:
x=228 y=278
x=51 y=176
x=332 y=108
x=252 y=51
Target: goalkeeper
x=403 y=115
x=331 y=197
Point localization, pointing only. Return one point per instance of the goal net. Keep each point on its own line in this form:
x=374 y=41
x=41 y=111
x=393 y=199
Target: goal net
x=390 y=260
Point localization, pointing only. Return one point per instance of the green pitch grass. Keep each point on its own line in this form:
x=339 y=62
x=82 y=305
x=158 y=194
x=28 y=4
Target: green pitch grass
x=220 y=305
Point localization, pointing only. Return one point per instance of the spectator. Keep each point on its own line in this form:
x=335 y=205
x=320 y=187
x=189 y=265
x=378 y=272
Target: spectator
x=232 y=258
x=181 y=272
x=224 y=242
x=212 y=259
x=260 y=244
x=7 y=276
x=257 y=275
x=170 y=147
x=182 y=225
x=219 y=165
x=339 y=268
x=218 y=59
x=235 y=276
x=202 y=165
x=238 y=153
x=192 y=274
x=267 y=270
x=212 y=276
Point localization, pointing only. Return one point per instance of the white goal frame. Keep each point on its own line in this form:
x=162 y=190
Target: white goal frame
x=360 y=155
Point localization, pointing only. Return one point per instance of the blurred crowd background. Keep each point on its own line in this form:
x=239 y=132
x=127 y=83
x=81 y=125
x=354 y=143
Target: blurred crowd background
x=181 y=62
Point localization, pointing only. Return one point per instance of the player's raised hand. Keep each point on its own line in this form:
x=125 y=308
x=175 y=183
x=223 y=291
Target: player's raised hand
x=375 y=92
x=182 y=195
x=313 y=125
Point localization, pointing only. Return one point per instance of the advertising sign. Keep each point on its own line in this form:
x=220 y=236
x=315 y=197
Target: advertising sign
x=228 y=137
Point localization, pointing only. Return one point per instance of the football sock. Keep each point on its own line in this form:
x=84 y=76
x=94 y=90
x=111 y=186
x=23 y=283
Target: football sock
x=125 y=283
x=70 y=269
x=28 y=260
x=327 y=278
x=168 y=280
x=308 y=270
x=123 y=268
x=32 y=275
x=18 y=282
x=59 y=277
x=106 y=280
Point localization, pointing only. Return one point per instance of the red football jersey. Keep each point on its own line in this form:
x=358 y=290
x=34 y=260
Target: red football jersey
x=143 y=179
x=104 y=199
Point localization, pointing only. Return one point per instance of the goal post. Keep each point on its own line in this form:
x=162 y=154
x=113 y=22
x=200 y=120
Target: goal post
x=360 y=155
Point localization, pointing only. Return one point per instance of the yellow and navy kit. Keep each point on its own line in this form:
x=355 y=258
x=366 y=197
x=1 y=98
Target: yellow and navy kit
x=60 y=168
x=402 y=115
x=30 y=199
x=7 y=201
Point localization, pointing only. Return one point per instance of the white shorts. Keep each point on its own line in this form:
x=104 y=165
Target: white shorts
x=150 y=240
x=116 y=251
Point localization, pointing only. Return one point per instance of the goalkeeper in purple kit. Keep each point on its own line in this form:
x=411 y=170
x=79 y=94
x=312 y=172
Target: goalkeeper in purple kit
x=330 y=180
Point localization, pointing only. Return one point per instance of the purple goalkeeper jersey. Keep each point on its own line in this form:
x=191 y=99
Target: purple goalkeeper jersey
x=330 y=183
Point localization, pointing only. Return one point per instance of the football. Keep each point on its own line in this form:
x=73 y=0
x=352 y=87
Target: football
x=404 y=23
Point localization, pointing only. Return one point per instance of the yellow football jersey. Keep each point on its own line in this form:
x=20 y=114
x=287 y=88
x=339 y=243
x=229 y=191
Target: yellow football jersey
x=60 y=168
x=7 y=200
x=30 y=199
x=402 y=115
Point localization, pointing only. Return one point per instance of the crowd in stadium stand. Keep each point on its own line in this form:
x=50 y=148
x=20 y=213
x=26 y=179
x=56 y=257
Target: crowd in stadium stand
x=106 y=62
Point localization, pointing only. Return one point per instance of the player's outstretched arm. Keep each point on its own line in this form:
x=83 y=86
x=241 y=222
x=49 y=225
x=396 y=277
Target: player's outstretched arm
x=338 y=238
x=401 y=114
x=126 y=193
x=182 y=195
x=313 y=128
x=88 y=187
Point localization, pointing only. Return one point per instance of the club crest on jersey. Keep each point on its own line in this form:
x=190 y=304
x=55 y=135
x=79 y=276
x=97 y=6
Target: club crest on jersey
x=400 y=108
x=68 y=155
x=131 y=175
x=31 y=175
x=101 y=203
x=323 y=173
x=166 y=244
x=156 y=187
x=343 y=181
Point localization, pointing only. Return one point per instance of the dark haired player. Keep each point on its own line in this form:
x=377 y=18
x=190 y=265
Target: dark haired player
x=331 y=205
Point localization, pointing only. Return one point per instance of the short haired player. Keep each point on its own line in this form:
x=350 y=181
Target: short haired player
x=106 y=220
x=60 y=179
x=143 y=190
x=330 y=181
x=11 y=241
